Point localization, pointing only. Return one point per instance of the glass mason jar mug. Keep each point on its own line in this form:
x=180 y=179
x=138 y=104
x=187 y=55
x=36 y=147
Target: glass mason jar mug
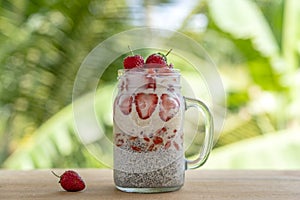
x=148 y=131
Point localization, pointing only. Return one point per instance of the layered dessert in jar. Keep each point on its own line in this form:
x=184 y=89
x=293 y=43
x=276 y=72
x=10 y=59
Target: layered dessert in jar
x=148 y=118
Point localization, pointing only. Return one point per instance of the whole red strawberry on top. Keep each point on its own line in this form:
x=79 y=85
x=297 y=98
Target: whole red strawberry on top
x=71 y=181
x=157 y=60
x=133 y=61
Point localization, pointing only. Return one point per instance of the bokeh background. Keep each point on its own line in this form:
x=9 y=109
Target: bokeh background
x=254 y=43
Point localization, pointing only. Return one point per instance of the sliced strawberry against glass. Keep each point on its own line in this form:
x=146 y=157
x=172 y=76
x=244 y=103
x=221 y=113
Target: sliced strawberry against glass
x=169 y=107
x=125 y=104
x=145 y=104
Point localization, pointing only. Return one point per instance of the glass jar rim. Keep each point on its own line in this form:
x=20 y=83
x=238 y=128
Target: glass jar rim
x=150 y=71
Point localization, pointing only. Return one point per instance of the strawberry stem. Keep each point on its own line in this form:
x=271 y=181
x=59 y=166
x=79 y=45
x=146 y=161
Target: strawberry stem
x=168 y=52
x=55 y=174
x=130 y=50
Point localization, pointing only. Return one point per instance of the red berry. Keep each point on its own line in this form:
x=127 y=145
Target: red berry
x=169 y=107
x=157 y=140
x=135 y=148
x=145 y=104
x=133 y=62
x=156 y=60
x=71 y=181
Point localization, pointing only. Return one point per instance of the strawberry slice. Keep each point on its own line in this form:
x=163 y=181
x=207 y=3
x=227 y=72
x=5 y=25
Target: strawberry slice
x=169 y=107
x=157 y=140
x=125 y=104
x=145 y=104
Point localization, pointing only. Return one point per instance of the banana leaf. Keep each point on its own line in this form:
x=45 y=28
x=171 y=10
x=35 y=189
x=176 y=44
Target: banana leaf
x=57 y=143
x=279 y=150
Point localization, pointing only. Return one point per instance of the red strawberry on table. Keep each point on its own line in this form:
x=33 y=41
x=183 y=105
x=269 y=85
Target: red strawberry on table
x=169 y=107
x=133 y=61
x=71 y=181
x=145 y=104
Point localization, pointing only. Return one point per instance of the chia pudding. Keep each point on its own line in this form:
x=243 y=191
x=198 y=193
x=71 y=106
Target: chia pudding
x=148 y=135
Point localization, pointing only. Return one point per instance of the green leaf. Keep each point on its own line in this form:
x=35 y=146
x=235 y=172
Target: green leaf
x=279 y=150
x=291 y=36
x=244 y=20
x=56 y=143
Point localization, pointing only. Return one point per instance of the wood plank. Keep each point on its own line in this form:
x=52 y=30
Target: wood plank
x=200 y=184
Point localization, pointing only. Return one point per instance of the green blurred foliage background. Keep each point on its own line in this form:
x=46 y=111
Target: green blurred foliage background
x=254 y=43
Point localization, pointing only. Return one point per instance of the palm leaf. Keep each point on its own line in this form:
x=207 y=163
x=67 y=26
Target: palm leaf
x=278 y=150
x=244 y=20
x=56 y=143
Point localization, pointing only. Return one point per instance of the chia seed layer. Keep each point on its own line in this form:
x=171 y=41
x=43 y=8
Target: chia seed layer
x=169 y=176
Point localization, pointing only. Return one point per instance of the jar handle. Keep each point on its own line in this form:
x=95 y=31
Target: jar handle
x=209 y=131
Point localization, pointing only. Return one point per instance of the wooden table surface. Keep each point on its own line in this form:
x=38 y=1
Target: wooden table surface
x=199 y=184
